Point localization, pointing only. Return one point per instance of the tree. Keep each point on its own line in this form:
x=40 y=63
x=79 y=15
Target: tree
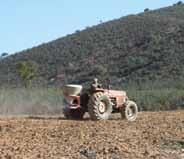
x=146 y=10
x=179 y=2
x=27 y=70
x=4 y=54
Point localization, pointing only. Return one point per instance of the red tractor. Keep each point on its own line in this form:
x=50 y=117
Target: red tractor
x=98 y=102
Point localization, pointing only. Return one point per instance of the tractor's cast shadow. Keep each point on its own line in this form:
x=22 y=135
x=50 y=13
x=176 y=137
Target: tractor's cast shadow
x=87 y=118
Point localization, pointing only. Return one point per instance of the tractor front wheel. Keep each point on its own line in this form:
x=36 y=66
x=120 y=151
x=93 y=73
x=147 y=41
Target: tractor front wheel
x=130 y=111
x=99 y=106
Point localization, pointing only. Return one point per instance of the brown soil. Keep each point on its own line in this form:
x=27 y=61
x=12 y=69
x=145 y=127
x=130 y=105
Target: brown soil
x=153 y=135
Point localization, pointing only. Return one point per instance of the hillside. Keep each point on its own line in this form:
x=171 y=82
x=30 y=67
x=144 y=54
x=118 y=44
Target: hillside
x=134 y=49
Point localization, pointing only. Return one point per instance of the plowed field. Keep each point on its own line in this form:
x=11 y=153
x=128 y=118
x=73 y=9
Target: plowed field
x=153 y=135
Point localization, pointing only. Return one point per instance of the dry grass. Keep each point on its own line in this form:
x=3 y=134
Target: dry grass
x=49 y=101
x=30 y=101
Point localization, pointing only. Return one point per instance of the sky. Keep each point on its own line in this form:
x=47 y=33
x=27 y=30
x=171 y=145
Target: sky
x=28 y=23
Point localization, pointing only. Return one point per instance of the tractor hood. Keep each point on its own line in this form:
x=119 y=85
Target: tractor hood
x=114 y=93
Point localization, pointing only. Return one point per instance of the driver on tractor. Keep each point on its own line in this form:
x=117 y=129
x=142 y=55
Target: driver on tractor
x=95 y=85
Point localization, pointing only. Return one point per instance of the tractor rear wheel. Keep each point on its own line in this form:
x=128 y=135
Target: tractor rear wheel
x=76 y=114
x=99 y=106
x=130 y=111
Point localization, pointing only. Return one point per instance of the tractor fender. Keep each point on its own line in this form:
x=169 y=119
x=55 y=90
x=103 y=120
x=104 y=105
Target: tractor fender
x=98 y=90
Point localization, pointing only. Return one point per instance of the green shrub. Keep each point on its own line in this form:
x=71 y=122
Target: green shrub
x=157 y=100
